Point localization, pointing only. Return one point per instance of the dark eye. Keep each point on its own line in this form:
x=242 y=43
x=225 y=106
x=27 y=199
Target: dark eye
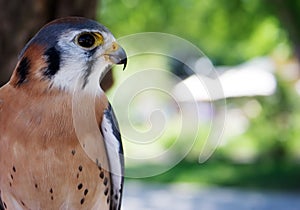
x=86 y=40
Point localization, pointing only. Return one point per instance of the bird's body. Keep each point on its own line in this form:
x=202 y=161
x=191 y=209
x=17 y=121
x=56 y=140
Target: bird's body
x=51 y=155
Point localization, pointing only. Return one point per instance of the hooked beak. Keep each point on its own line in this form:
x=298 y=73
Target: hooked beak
x=117 y=55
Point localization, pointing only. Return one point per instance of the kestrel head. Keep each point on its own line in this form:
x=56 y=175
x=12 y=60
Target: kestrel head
x=68 y=53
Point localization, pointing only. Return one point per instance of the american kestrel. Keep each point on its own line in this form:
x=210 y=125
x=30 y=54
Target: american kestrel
x=60 y=147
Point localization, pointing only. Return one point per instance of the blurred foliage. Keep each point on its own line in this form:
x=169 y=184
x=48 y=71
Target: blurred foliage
x=273 y=176
x=229 y=32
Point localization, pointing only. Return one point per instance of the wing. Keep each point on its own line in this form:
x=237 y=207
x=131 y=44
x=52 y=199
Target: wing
x=114 y=149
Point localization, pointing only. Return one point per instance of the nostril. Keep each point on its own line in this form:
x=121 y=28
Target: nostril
x=114 y=46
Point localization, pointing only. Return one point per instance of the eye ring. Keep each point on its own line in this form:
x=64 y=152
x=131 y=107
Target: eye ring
x=89 y=40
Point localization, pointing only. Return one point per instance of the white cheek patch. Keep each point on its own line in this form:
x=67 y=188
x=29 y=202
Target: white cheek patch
x=69 y=74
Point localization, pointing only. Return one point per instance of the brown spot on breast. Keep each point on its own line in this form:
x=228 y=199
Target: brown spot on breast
x=86 y=192
x=105 y=181
x=106 y=191
x=73 y=152
x=101 y=175
x=80 y=186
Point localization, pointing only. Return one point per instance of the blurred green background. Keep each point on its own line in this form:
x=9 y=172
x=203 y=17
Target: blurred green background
x=266 y=154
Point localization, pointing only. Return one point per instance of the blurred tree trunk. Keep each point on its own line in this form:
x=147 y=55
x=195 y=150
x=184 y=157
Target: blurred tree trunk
x=288 y=13
x=21 y=19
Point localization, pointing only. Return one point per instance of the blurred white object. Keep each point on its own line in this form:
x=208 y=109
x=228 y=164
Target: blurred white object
x=254 y=78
